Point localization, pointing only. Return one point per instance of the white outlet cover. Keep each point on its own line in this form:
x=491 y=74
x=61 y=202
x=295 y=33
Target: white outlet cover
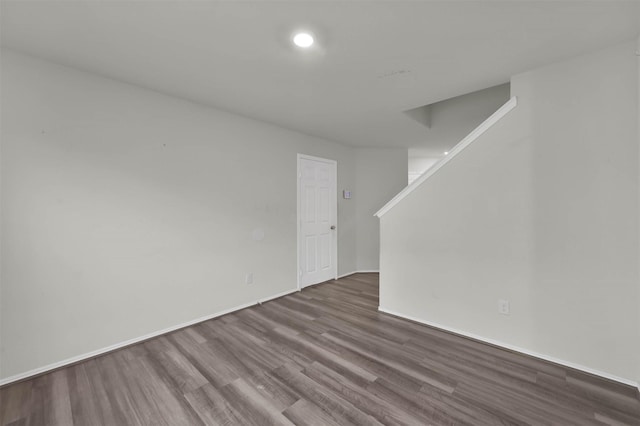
x=248 y=279
x=503 y=307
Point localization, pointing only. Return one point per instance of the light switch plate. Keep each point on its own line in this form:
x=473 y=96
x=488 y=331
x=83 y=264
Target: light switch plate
x=503 y=307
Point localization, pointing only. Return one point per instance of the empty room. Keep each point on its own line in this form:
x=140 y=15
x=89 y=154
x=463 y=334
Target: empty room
x=319 y=212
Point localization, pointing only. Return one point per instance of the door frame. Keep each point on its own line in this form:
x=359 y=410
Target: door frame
x=334 y=191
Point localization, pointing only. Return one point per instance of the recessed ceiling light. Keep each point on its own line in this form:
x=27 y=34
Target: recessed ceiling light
x=446 y=153
x=303 y=40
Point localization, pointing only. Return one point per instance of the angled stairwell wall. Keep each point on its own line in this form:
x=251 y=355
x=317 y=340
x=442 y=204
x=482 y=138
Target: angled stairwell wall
x=540 y=210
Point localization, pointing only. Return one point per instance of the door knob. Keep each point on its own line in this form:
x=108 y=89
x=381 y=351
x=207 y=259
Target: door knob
x=333 y=227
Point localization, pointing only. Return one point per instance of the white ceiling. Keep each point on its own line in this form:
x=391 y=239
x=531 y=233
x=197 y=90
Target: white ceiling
x=373 y=59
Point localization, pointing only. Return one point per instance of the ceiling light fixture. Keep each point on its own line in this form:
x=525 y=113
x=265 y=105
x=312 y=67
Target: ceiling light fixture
x=303 y=40
x=446 y=153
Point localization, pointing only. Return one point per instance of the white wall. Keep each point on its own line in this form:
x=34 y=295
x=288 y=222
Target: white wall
x=125 y=211
x=542 y=210
x=380 y=174
x=418 y=165
x=450 y=121
x=638 y=306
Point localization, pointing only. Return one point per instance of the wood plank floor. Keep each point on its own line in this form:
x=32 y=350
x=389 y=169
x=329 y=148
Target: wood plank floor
x=323 y=356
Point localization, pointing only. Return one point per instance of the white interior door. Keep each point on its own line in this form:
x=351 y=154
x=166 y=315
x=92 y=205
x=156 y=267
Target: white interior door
x=317 y=217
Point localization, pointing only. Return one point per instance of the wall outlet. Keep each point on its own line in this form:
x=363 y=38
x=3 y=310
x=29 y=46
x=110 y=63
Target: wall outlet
x=503 y=307
x=248 y=279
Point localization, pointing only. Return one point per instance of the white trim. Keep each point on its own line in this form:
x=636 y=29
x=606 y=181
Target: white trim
x=513 y=348
x=320 y=159
x=298 y=224
x=358 y=272
x=129 y=342
x=475 y=134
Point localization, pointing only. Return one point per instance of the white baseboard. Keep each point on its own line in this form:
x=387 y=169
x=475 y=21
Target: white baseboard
x=359 y=272
x=514 y=348
x=129 y=342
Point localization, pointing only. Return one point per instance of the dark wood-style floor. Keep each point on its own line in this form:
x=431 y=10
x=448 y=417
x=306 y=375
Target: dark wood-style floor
x=324 y=356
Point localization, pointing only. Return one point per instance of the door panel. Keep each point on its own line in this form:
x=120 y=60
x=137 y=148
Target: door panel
x=325 y=251
x=310 y=204
x=317 y=215
x=311 y=261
